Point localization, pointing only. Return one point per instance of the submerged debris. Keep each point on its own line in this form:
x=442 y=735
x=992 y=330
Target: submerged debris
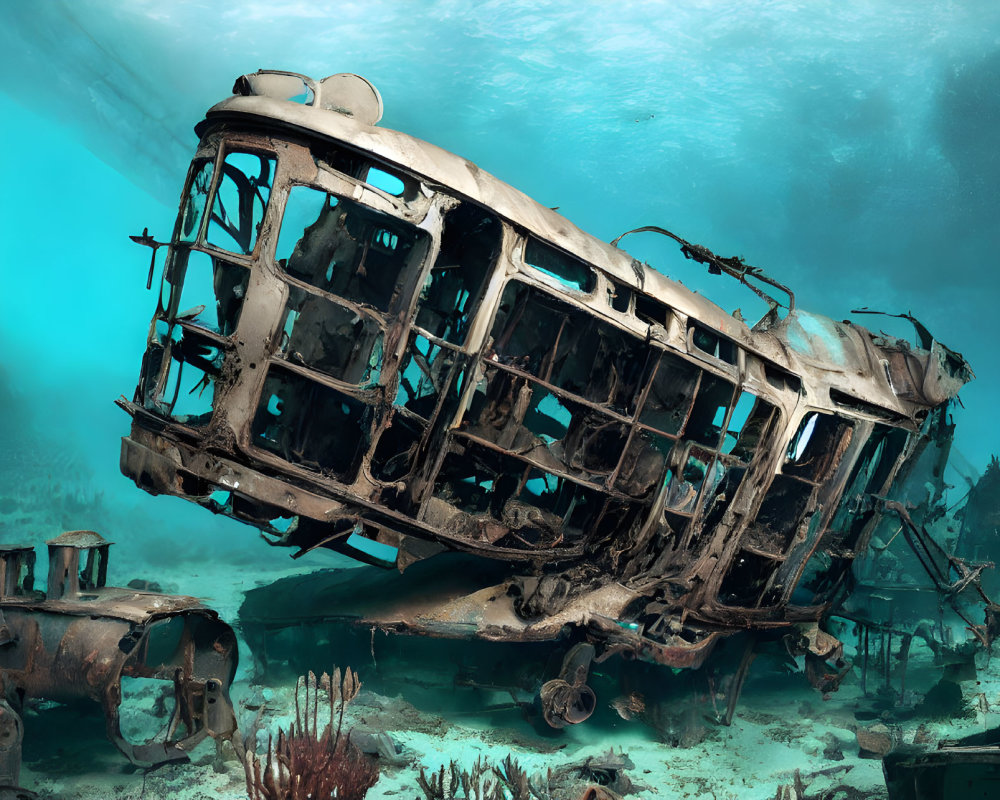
x=85 y=640
x=967 y=767
x=367 y=344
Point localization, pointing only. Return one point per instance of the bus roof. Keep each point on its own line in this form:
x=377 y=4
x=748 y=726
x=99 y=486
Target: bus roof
x=844 y=355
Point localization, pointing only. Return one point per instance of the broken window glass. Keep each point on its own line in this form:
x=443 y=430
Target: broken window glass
x=538 y=509
x=669 y=398
x=187 y=391
x=241 y=198
x=212 y=289
x=344 y=248
x=747 y=425
x=712 y=344
x=195 y=200
x=309 y=424
x=423 y=375
x=568 y=348
x=470 y=243
x=708 y=415
x=817 y=446
x=570 y=272
x=619 y=296
x=643 y=462
x=699 y=467
x=331 y=338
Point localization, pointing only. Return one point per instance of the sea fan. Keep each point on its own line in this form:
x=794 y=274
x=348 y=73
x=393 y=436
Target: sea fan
x=305 y=764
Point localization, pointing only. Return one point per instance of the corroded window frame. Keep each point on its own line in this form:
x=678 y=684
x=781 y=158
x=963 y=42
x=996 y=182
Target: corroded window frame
x=803 y=517
x=651 y=504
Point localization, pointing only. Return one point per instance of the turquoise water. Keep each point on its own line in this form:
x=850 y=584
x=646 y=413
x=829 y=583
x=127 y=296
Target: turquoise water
x=850 y=150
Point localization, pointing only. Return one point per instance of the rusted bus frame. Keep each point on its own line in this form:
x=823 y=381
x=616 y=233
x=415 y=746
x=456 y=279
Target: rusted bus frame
x=440 y=168
x=297 y=491
x=704 y=544
x=285 y=465
x=735 y=373
x=397 y=336
x=826 y=499
x=531 y=277
x=594 y=298
x=362 y=311
x=584 y=301
x=263 y=257
x=907 y=459
x=218 y=145
x=278 y=195
x=215 y=150
x=468 y=182
x=731 y=545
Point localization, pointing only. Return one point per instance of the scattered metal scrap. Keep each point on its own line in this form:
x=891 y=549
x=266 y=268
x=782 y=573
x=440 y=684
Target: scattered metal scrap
x=368 y=344
x=979 y=535
x=968 y=767
x=84 y=639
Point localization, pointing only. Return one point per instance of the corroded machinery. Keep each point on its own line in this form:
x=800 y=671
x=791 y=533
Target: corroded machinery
x=84 y=640
x=366 y=343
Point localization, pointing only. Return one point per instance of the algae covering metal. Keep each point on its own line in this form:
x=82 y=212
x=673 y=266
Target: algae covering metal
x=366 y=343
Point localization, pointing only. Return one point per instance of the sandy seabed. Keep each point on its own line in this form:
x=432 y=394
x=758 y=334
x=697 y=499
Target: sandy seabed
x=781 y=725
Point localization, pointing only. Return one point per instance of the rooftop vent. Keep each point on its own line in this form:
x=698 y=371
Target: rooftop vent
x=68 y=580
x=17 y=571
x=344 y=92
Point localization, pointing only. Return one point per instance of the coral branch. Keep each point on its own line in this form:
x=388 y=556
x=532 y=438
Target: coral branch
x=306 y=764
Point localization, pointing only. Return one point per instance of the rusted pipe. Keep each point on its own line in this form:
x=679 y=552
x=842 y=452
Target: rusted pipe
x=564 y=704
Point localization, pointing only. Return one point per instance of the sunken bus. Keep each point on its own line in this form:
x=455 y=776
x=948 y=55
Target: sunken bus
x=366 y=343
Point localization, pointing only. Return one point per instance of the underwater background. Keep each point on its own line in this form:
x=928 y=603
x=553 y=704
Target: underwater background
x=849 y=149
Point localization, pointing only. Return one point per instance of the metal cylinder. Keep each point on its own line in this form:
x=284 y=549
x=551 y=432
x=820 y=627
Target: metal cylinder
x=565 y=704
